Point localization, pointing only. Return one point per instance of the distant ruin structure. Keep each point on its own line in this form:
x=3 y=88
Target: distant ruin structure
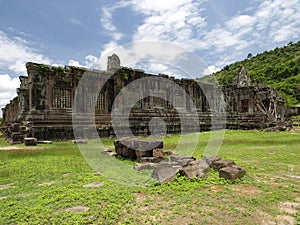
x=43 y=106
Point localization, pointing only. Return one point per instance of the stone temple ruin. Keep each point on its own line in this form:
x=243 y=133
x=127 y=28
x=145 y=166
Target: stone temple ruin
x=45 y=102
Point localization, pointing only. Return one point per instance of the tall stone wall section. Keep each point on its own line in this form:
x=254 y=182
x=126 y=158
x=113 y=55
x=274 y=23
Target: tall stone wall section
x=43 y=107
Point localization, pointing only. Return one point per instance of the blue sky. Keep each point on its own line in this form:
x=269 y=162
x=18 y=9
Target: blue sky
x=78 y=33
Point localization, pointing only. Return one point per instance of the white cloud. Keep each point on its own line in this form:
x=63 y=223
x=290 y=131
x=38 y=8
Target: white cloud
x=181 y=22
x=89 y=62
x=178 y=22
x=271 y=22
x=76 y=22
x=211 y=69
x=278 y=19
x=240 y=21
x=106 y=19
x=8 y=87
x=14 y=53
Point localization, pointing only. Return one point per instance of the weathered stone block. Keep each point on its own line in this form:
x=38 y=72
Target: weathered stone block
x=192 y=170
x=133 y=148
x=232 y=173
x=222 y=163
x=204 y=165
x=166 y=171
x=30 y=141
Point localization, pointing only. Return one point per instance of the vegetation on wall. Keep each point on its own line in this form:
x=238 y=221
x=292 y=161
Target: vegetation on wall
x=278 y=68
x=43 y=68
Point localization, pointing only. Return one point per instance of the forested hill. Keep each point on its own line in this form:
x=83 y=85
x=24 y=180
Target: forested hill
x=278 y=68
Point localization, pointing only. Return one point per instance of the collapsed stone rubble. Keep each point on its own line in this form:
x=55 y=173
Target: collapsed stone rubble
x=167 y=164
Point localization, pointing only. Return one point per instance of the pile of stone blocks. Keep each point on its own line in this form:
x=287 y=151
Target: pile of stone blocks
x=191 y=168
x=167 y=164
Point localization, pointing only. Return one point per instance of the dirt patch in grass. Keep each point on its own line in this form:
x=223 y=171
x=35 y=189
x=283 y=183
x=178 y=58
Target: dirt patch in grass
x=18 y=147
x=140 y=197
x=290 y=207
x=246 y=190
x=214 y=189
x=77 y=209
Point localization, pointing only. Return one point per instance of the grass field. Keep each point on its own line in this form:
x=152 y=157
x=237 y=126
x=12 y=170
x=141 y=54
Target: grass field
x=41 y=185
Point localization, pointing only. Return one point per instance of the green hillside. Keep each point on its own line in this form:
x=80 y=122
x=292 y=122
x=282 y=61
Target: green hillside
x=278 y=68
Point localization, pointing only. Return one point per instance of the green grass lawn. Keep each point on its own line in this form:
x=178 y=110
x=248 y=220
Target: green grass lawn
x=39 y=184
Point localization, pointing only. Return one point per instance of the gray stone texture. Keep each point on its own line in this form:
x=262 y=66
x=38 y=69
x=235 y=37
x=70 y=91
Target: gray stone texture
x=43 y=106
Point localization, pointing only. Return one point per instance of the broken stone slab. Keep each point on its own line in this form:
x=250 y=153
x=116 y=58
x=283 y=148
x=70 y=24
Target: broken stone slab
x=142 y=145
x=232 y=173
x=80 y=141
x=193 y=170
x=30 y=141
x=133 y=148
x=166 y=171
x=182 y=160
x=204 y=165
x=219 y=164
x=144 y=166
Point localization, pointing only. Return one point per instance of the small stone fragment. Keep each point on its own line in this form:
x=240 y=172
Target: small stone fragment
x=217 y=165
x=192 y=170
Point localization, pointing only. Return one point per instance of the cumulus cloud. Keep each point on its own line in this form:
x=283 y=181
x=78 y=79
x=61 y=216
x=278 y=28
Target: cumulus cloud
x=179 y=22
x=15 y=52
x=89 y=62
x=210 y=70
x=270 y=23
x=8 y=87
x=260 y=26
x=175 y=22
